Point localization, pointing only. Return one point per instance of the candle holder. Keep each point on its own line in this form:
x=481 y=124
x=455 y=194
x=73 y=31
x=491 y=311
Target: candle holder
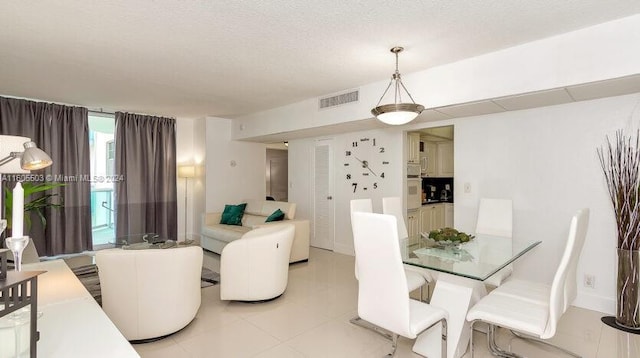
x=17 y=244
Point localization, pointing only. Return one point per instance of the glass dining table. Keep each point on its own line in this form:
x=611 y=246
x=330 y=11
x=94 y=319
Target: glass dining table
x=459 y=271
x=477 y=259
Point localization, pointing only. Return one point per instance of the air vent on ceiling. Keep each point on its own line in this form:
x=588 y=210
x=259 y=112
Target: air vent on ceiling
x=339 y=99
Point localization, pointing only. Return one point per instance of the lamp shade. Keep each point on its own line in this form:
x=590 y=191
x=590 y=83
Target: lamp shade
x=187 y=171
x=9 y=144
x=34 y=158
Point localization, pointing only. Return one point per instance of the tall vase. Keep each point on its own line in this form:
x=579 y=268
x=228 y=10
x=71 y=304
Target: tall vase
x=17 y=244
x=628 y=303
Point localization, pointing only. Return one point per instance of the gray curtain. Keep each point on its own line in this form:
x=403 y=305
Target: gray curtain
x=146 y=199
x=63 y=133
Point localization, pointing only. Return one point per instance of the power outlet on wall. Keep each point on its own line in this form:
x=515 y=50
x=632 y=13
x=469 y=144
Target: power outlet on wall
x=589 y=281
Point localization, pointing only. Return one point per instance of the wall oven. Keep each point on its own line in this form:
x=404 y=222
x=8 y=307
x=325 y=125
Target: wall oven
x=414 y=193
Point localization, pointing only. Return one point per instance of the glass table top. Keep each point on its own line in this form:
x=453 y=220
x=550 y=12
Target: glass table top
x=478 y=259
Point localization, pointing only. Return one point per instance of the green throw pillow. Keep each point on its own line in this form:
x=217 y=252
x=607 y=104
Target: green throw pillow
x=232 y=214
x=277 y=215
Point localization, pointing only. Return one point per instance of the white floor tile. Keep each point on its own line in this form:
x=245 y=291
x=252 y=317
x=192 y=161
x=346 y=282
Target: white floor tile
x=619 y=344
x=287 y=321
x=280 y=351
x=237 y=339
x=311 y=319
x=337 y=339
x=165 y=348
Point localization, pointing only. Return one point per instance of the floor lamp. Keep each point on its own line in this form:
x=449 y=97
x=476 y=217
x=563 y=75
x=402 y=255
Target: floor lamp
x=186 y=172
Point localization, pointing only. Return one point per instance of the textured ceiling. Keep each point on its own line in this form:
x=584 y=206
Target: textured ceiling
x=193 y=58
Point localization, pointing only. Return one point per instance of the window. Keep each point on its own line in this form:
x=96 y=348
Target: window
x=111 y=154
x=102 y=151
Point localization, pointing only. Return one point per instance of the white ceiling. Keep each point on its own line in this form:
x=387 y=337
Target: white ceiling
x=229 y=58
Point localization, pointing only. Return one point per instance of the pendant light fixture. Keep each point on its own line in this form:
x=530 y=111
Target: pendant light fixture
x=398 y=112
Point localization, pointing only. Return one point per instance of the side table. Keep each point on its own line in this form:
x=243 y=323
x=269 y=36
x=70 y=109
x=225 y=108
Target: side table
x=18 y=290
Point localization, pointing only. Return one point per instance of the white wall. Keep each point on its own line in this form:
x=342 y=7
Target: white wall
x=184 y=155
x=545 y=160
x=601 y=52
x=301 y=172
x=197 y=189
x=234 y=170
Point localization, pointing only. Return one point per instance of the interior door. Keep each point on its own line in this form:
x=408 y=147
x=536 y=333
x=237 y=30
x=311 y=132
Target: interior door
x=323 y=204
x=278 y=171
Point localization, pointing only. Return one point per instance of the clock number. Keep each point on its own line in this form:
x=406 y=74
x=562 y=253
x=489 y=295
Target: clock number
x=381 y=149
x=348 y=176
x=354 y=144
x=355 y=185
x=375 y=185
x=374 y=142
x=347 y=153
x=382 y=175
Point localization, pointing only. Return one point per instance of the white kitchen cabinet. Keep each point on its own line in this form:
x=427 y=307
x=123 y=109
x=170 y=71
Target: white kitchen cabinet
x=428 y=159
x=431 y=217
x=444 y=164
x=413 y=222
x=448 y=215
x=413 y=148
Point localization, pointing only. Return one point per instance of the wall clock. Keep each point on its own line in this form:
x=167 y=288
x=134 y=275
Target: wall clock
x=365 y=164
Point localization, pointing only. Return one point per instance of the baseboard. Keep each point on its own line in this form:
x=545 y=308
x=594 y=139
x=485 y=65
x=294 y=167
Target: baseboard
x=592 y=302
x=343 y=249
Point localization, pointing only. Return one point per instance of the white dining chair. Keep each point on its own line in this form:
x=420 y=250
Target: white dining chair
x=532 y=310
x=393 y=206
x=414 y=280
x=383 y=296
x=495 y=218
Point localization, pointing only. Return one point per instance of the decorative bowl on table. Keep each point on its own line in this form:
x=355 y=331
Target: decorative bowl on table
x=447 y=237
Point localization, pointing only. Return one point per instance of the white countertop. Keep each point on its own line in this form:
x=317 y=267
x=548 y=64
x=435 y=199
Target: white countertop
x=73 y=324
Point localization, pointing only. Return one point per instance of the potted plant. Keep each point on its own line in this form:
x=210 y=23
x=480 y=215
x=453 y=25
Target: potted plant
x=36 y=205
x=620 y=161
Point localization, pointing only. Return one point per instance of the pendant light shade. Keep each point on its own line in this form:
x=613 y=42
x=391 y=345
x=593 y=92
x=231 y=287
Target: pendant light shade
x=397 y=113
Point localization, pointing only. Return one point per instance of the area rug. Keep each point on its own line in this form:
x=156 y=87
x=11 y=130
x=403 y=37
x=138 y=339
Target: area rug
x=88 y=275
x=209 y=278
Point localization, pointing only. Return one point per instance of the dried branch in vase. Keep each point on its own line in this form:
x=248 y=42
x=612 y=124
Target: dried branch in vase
x=620 y=161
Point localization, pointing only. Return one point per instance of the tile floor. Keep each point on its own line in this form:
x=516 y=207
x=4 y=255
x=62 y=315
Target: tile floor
x=311 y=319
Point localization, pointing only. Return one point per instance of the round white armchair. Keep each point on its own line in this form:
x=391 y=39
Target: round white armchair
x=256 y=266
x=150 y=293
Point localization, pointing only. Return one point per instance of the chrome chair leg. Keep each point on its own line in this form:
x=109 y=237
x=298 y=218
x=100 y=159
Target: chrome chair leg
x=538 y=340
x=444 y=337
x=493 y=346
x=394 y=337
x=370 y=326
x=471 y=338
x=394 y=345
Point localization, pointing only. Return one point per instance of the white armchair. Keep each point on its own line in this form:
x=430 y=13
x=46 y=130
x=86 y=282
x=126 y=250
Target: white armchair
x=150 y=293
x=256 y=266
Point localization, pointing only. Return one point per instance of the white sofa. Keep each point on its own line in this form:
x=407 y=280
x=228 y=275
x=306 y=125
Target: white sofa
x=150 y=293
x=215 y=236
x=256 y=267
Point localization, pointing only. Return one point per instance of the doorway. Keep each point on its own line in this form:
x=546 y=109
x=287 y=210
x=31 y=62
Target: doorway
x=277 y=174
x=323 y=204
